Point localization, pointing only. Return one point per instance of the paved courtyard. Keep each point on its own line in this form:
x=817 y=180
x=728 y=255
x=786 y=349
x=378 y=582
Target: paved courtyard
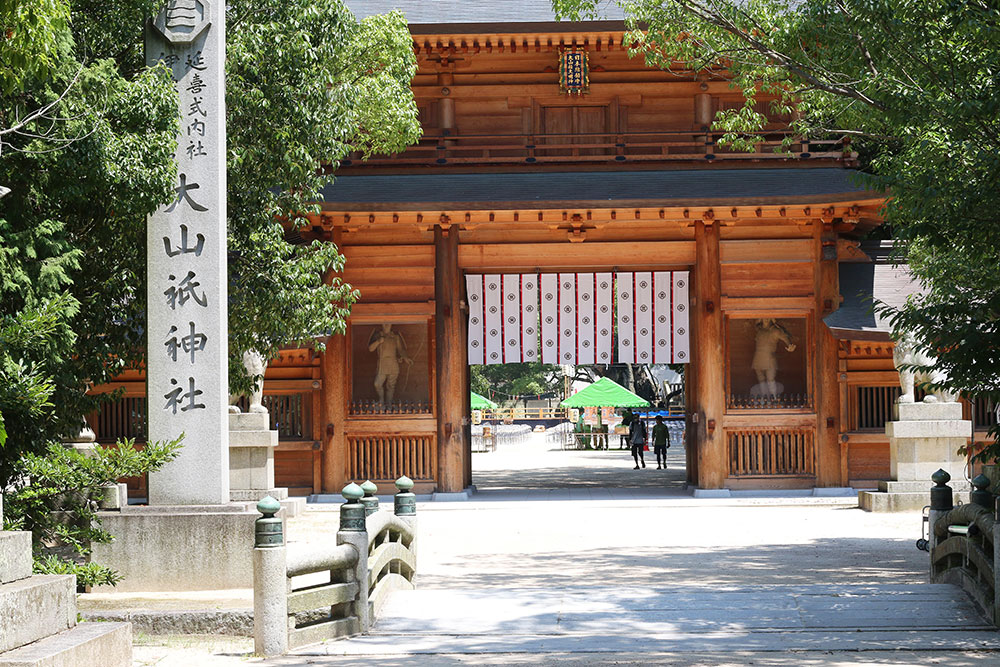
x=573 y=557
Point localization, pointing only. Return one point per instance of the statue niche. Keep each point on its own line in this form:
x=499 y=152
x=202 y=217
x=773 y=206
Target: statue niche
x=915 y=364
x=390 y=346
x=767 y=334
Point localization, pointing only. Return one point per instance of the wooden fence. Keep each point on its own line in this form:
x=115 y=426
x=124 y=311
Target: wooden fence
x=382 y=458
x=770 y=451
x=665 y=146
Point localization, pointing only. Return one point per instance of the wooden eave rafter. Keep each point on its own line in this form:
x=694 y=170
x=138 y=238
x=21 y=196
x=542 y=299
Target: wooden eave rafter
x=843 y=217
x=448 y=45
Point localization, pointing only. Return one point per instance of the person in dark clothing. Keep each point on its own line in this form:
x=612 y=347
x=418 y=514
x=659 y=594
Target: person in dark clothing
x=637 y=437
x=627 y=418
x=661 y=441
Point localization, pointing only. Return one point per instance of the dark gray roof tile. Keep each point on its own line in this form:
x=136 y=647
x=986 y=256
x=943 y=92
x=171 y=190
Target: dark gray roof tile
x=652 y=188
x=863 y=285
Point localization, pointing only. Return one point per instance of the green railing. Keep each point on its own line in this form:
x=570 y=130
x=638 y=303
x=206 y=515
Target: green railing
x=314 y=593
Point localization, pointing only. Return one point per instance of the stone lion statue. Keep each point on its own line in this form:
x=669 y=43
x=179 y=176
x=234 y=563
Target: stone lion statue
x=908 y=353
x=254 y=362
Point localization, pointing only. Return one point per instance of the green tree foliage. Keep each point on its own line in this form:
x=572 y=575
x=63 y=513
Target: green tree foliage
x=915 y=84
x=31 y=34
x=307 y=84
x=59 y=505
x=507 y=380
x=87 y=155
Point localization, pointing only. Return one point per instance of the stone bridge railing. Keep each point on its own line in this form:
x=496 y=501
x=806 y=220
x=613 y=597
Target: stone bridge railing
x=304 y=594
x=964 y=542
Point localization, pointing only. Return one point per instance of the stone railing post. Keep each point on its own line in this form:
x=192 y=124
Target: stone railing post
x=270 y=583
x=404 y=505
x=370 y=500
x=354 y=532
x=980 y=494
x=941 y=502
x=996 y=564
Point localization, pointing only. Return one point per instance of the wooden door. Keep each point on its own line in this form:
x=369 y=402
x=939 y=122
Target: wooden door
x=574 y=125
x=591 y=123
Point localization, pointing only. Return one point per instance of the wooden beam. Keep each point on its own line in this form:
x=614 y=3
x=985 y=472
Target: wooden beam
x=766 y=250
x=709 y=359
x=451 y=363
x=376 y=313
x=579 y=255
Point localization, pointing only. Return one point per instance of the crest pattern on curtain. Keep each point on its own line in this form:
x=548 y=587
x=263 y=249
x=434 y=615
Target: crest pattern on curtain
x=579 y=318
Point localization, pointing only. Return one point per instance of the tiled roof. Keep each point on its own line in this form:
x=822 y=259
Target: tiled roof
x=862 y=285
x=466 y=11
x=641 y=188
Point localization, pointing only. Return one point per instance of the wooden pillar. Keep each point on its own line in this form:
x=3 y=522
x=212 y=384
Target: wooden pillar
x=451 y=363
x=690 y=428
x=446 y=105
x=709 y=360
x=830 y=455
x=334 y=423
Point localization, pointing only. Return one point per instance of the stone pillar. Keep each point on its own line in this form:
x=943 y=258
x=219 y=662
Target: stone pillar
x=926 y=437
x=353 y=531
x=186 y=321
x=270 y=583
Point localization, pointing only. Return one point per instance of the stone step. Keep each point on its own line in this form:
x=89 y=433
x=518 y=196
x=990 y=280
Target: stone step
x=15 y=555
x=957 y=487
x=36 y=607
x=86 y=645
x=878 y=501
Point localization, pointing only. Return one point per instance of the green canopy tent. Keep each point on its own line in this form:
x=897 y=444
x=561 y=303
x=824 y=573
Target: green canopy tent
x=605 y=393
x=601 y=394
x=481 y=402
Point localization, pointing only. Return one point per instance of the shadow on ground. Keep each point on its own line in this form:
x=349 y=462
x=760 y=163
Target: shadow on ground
x=826 y=561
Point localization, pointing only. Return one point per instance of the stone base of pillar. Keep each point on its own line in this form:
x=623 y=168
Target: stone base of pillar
x=251 y=458
x=179 y=548
x=924 y=438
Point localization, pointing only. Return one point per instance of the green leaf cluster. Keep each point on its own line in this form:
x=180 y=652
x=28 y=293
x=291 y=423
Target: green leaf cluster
x=86 y=150
x=524 y=379
x=60 y=501
x=307 y=85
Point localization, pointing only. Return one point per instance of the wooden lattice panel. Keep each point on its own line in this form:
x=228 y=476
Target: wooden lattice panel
x=385 y=458
x=771 y=451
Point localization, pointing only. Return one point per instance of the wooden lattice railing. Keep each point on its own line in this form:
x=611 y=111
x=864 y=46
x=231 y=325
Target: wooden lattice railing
x=768 y=451
x=383 y=458
x=373 y=408
x=768 y=402
x=666 y=146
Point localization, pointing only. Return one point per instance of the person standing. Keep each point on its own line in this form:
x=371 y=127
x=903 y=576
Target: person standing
x=661 y=441
x=637 y=438
x=627 y=418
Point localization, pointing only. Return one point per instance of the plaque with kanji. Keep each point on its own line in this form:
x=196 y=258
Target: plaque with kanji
x=574 y=72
